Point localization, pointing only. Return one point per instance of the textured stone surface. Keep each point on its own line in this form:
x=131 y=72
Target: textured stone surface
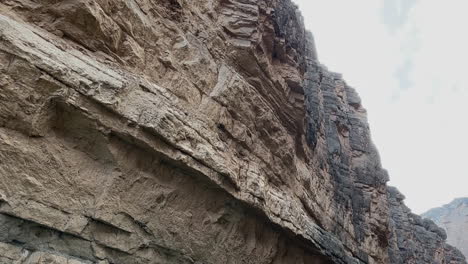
x=136 y=131
x=417 y=240
x=453 y=218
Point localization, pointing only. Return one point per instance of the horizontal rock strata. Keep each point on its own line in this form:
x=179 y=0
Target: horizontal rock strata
x=137 y=131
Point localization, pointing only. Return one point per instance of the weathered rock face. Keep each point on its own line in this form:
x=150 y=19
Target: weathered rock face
x=453 y=218
x=140 y=131
x=413 y=237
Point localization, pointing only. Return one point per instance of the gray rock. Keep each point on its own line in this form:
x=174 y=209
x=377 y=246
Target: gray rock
x=453 y=220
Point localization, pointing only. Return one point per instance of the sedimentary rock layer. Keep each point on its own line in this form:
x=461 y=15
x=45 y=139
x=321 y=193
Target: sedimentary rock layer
x=140 y=131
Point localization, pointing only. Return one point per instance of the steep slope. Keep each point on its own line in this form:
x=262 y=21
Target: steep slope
x=453 y=218
x=140 y=131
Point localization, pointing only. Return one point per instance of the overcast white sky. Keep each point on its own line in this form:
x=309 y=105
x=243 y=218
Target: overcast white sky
x=408 y=59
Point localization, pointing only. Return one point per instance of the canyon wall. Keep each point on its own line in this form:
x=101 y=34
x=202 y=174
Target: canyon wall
x=453 y=218
x=177 y=131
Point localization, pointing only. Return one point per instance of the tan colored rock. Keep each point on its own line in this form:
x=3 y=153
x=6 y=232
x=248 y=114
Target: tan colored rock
x=184 y=132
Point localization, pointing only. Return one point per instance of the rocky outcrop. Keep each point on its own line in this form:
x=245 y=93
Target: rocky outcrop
x=414 y=237
x=136 y=131
x=453 y=218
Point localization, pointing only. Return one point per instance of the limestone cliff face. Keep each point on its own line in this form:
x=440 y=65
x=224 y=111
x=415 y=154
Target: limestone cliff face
x=453 y=218
x=177 y=131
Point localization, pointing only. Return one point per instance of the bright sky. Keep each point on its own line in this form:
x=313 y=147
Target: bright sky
x=408 y=59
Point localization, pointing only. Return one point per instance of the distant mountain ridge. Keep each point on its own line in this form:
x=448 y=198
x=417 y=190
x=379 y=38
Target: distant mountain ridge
x=453 y=218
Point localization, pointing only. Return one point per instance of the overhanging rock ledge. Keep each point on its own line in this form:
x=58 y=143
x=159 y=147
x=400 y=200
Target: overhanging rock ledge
x=139 y=131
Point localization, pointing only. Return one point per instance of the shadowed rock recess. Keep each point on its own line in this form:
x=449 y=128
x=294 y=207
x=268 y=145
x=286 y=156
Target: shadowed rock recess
x=181 y=131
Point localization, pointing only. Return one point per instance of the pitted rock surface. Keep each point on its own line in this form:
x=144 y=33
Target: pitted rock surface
x=137 y=131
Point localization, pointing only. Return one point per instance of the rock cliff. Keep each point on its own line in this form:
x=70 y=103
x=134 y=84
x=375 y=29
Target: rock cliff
x=453 y=218
x=177 y=131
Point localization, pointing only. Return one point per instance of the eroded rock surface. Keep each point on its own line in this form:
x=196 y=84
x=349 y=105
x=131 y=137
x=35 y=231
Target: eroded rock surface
x=453 y=218
x=414 y=237
x=137 y=131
